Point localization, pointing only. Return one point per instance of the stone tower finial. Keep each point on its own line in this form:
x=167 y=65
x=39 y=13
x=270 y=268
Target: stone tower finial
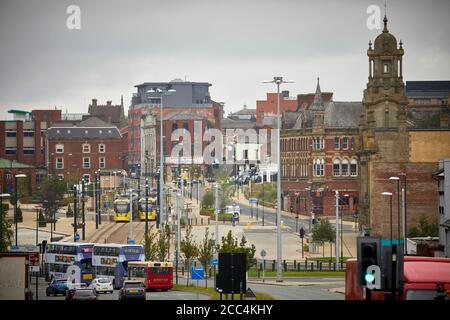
x=385 y=20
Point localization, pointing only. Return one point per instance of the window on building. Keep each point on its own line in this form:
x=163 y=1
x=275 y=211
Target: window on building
x=101 y=148
x=174 y=126
x=319 y=165
x=386 y=118
x=337 y=143
x=59 y=163
x=86 y=163
x=353 y=168
x=39 y=179
x=28 y=150
x=101 y=162
x=345 y=141
x=28 y=132
x=11 y=133
x=336 y=167
x=59 y=148
x=186 y=126
x=441 y=210
x=86 y=148
x=10 y=151
x=385 y=67
x=246 y=154
x=344 y=167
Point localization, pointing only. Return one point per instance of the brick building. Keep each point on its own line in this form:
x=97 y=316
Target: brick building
x=268 y=108
x=77 y=152
x=390 y=144
x=318 y=157
x=22 y=140
x=188 y=97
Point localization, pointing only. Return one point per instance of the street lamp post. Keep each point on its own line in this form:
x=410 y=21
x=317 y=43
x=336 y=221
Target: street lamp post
x=75 y=226
x=17 y=200
x=405 y=225
x=146 y=206
x=83 y=217
x=398 y=207
x=162 y=93
x=393 y=248
x=278 y=81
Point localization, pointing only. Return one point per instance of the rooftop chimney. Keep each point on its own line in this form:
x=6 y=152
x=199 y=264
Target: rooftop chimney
x=94 y=102
x=108 y=103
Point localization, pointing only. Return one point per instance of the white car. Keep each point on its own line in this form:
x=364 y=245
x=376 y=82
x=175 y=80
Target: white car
x=102 y=285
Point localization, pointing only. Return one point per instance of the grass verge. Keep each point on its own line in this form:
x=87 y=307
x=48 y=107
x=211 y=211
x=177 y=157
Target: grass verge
x=215 y=295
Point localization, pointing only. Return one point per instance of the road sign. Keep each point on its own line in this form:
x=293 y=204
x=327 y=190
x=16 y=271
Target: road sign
x=214 y=262
x=253 y=200
x=130 y=241
x=263 y=253
x=197 y=273
x=76 y=236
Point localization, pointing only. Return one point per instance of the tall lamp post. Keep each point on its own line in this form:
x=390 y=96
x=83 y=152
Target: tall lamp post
x=398 y=208
x=162 y=93
x=278 y=81
x=393 y=248
x=146 y=206
x=405 y=224
x=17 y=176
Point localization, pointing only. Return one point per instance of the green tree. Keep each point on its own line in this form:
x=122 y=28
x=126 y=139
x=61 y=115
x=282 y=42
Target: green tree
x=6 y=231
x=163 y=246
x=205 y=252
x=189 y=250
x=53 y=190
x=151 y=245
x=208 y=200
x=424 y=228
x=323 y=232
x=230 y=245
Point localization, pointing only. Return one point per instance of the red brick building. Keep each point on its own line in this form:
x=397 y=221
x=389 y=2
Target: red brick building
x=77 y=152
x=268 y=107
x=318 y=158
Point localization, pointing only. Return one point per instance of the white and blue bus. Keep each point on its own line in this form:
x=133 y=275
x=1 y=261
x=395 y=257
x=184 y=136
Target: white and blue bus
x=63 y=259
x=110 y=260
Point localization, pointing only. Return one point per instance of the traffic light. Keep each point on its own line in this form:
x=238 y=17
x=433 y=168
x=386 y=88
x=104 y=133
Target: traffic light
x=369 y=254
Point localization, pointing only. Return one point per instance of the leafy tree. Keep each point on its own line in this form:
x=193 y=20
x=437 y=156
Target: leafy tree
x=53 y=190
x=163 y=246
x=151 y=245
x=424 y=228
x=230 y=245
x=323 y=232
x=208 y=200
x=206 y=251
x=6 y=232
x=189 y=250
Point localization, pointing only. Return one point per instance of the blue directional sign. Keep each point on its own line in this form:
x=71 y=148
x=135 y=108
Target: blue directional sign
x=76 y=236
x=253 y=200
x=197 y=273
x=214 y=262
x=130 y=241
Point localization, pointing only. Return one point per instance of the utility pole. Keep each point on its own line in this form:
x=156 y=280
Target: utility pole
x=83 y=218
x=178 y=202
x=216 y=212
x=337 y=229
x=130 y=232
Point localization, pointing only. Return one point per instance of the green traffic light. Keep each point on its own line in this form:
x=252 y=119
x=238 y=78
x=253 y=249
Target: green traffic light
x=370 y=277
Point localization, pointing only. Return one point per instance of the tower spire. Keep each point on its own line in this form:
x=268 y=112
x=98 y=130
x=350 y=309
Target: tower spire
x=385 y=20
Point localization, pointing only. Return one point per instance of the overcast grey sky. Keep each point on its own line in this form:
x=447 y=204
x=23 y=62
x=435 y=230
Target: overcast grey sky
x=234 y=45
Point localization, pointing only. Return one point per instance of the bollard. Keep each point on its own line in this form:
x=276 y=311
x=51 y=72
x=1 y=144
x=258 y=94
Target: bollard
x=258 y=273
x=318 y=262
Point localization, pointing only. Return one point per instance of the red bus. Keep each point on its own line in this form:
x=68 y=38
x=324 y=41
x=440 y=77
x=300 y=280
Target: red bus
x=424 y=279
x=154 y=275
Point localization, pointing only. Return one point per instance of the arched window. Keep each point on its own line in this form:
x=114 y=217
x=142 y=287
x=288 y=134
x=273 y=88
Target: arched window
x=336 y=167
x=344 y=167
x=353 y=168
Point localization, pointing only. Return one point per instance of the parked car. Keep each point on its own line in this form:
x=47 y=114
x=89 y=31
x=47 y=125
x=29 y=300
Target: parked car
x=56 y=287
x=132 y=289
x=102 y=285
x=84 y=294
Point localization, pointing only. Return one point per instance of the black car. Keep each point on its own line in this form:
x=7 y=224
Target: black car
x=84 y=294
x=132 y=290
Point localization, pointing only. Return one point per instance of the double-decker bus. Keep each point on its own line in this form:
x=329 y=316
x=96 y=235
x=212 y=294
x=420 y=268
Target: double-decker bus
x=154 y=275
x=122 y=210
x=151 y=202
x=111 y=260
x=63 y=259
